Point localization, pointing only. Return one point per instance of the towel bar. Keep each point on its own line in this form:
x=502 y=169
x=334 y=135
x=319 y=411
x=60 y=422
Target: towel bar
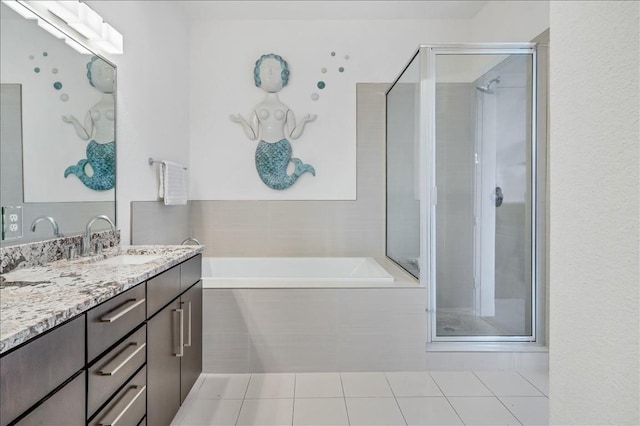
x=152 y=162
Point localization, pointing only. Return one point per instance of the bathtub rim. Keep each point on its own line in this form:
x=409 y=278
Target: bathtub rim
x=401 y=279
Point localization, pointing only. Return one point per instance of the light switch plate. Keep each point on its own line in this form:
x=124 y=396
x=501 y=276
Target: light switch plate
x=11 y=222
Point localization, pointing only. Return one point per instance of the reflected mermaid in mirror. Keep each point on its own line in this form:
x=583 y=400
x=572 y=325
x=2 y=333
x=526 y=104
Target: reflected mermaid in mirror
x=99 y=129
x=272 y=122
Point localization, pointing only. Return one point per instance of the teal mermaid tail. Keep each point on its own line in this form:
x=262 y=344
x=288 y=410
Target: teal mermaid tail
x=102 y=159
x=272 y=160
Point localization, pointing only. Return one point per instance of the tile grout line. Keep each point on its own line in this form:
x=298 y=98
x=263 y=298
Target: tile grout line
x=395 y=398
x=447 y=398
x=293 y=402
x=531 y=383
x=498 y=398
x=344 y=397
x=243 y=398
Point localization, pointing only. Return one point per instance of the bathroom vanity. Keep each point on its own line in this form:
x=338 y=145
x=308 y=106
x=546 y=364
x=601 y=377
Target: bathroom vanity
x=111 y=338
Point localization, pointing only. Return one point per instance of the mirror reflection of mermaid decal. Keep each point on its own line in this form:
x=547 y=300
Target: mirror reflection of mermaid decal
x=272 y=122
x=99 y=129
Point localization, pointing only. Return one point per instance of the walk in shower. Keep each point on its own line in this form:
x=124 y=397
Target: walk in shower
x=462 y=188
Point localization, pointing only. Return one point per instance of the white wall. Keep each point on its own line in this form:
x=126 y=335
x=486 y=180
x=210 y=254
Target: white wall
x=594 y=326
x=222 y=57
x=153 y=96
x=510 y=21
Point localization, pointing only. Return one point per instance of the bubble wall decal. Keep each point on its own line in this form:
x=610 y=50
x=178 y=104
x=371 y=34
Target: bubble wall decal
x=36 y=69
x=45 y=54
x=57 y=85
x=323 y=70
x=54 y=70
x=341 y=69
x=64 y=97
x=321 y=85
x=315 y=96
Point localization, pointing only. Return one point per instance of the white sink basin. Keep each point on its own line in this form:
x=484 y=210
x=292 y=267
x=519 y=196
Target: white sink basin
x=128 y=259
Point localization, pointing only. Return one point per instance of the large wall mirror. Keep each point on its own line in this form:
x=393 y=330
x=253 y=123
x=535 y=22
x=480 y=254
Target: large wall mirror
x=57 y=144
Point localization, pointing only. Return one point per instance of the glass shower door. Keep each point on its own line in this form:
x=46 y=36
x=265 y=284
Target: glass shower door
x=481 y=221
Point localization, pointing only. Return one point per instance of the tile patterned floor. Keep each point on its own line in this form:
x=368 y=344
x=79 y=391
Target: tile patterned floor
x=396 y=398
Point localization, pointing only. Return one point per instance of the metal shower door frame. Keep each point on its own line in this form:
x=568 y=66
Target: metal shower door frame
x=428 y=189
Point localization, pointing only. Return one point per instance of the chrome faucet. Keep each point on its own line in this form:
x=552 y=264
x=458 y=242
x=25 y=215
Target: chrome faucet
x=86 y=240
x=54 y=224
x=191 y=240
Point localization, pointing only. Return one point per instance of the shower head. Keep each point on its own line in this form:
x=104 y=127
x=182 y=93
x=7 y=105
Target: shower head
x=487 y=88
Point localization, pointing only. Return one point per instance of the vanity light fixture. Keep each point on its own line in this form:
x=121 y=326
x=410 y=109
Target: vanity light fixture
x=20 y=9
x=68 y=11
x=51 y=29
x=111 y=40
x=88 y=22
x=77 y=46
x=73 y=17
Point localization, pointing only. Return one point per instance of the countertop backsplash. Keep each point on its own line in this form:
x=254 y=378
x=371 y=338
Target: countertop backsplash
x=42 y=252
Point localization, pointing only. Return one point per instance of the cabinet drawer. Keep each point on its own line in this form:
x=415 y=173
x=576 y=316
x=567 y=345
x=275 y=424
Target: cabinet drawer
x=190 y=272
x=28 y=374
x=63 y=408
x=129 y=406
x=114 y=368
x=162 y=289
x=113 y=319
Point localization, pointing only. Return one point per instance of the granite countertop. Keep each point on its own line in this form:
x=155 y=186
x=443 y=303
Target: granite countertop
x=36 y=299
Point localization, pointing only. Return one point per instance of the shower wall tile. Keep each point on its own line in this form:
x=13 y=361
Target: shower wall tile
x=308 y=228
x=455 y=146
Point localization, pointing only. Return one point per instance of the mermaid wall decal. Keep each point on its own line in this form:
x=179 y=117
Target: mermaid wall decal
x=272 y=122
x=98 y=170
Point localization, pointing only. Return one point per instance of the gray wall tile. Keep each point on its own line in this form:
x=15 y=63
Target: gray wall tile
x=154 y=223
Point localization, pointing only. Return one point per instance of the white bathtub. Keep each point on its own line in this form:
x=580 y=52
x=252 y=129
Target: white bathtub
x=293 y=272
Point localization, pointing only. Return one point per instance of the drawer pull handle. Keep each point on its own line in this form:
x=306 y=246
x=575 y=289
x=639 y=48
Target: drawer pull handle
x=127 y=307
x=122 y=406
x=122 y=359
x=181 y=332
x=188 y=344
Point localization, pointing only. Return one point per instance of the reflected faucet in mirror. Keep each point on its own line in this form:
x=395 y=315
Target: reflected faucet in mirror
x=86 y=240
x=54 y=224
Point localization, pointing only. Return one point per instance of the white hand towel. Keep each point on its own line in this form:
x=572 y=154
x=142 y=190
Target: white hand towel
x=173 y=183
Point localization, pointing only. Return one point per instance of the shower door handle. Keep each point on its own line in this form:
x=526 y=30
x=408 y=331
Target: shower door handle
x=499 y=196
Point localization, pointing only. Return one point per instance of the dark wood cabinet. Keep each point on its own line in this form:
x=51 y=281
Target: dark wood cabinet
x=134 y=358
x=191 y=362
x=34 y=370
x=163 y=364
x=174 y=357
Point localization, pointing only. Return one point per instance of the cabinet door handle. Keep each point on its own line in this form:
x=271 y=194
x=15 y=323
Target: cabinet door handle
x=127 y=307
x=122 y=359
x=122 y=406
x=181 y=332
x=188 y=344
